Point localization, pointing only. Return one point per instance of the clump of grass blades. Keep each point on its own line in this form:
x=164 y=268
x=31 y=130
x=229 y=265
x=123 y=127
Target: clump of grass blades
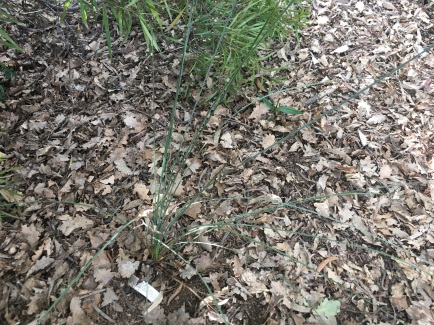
x=248 y=19
x=6 y=17
x=148 y=13
x=172 y=166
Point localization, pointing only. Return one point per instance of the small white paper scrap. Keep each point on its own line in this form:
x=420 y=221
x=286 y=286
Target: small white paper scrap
x=143 y=288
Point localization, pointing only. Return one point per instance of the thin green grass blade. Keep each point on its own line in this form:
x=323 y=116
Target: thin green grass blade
x=267 y=102
x=150 y=39
x=66 y=6
x=164 y=184
x=9 y=42
x=83 y=12
x=288 y=110
x=4 y=16
x=176 y=20
x=106 y=27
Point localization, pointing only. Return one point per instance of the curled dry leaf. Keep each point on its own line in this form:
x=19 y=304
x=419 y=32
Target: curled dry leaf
x=324 y=263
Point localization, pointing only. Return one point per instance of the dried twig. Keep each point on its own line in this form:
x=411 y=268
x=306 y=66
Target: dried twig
x=103 y=314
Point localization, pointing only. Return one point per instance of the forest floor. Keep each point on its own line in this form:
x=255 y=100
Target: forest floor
x=81 y=127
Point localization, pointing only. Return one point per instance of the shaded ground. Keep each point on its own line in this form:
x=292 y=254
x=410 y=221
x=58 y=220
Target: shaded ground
x=83 y=127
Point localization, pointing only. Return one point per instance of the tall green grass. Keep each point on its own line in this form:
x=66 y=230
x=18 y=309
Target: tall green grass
x=236 y=39
x=158 y=20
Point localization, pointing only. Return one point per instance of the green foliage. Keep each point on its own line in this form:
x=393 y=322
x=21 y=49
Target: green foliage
x=7 y=73
x=5 y=17
x=283 y=109
x=245 y=25
x=147 y=12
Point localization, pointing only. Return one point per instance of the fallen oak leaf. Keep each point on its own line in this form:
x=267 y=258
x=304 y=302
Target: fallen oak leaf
x=268 y=140
x=40 y=265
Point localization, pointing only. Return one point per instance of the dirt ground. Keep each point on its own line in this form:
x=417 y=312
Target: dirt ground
x=81 y=127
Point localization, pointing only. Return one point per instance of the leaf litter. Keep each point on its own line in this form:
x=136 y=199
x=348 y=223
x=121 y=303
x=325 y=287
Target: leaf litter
x=81 y=128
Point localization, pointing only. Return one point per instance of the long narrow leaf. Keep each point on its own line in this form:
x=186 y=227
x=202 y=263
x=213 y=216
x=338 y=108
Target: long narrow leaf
x=105 y=25
x=148 y=36
x=288 y=110
x=9 y=41
x=83 y=12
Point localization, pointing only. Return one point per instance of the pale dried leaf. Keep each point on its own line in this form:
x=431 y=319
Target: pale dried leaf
x=188 y=272
x=30 y=233
x=40 y=265
x=360 y=6
x=341 y=49
x=127 y=268
x=322 y=208
x=226 y=140
x=70 y=224
x=37 y=301
x=131 y=121
x=109 y=180
x=203 y=262
x=103 y=276
x=258 y=111
x=109 y=297
x=322 y=20
x=376 y=119
x=268 y=140
x=142 y=191
x=363 y=138
x=193 y=210
x=122 y=167
x=78 y=315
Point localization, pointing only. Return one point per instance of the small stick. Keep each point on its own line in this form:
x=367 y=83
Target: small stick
x=103 y=314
